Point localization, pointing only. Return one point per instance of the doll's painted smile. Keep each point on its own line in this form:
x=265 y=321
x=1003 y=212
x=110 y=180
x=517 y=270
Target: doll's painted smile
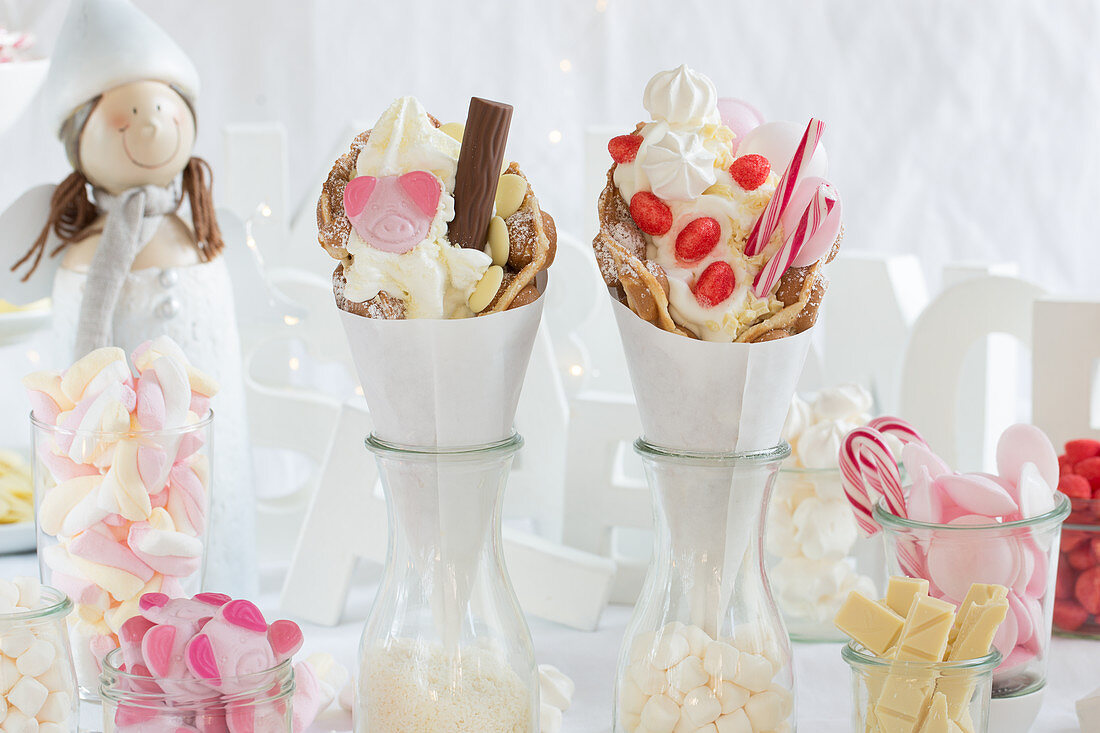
x=151 y=166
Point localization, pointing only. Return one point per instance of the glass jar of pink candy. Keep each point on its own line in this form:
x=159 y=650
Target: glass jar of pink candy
x=120 y=514
x=705 y=648
x=135 y=703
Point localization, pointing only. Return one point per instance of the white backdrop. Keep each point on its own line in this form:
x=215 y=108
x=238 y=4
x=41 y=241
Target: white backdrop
x=957 y=130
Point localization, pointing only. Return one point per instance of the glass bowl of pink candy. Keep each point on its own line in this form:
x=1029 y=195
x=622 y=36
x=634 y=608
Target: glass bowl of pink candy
x=1021 y=555
x=251 y=703
x=886 y=693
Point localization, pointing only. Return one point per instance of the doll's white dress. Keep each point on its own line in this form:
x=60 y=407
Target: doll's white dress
x=194 y=306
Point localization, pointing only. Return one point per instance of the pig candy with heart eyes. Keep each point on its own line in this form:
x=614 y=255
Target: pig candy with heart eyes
x=427 y=222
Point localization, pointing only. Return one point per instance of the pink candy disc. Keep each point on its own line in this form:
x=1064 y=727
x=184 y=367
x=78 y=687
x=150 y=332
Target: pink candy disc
x=1020 y=444
x=393 y=213
x=977 y=494
x=739 y=116
x=955 y=563
x=924 y=503
x=914 y=455
x=1008 y=633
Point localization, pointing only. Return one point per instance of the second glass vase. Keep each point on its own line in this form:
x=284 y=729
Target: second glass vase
x=446 y=646
x=706 y=645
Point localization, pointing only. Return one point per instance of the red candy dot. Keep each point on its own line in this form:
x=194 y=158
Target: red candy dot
x=750 y=171
x=715 y=284
x=697 y=239
x=624 y=148
x=650 y=213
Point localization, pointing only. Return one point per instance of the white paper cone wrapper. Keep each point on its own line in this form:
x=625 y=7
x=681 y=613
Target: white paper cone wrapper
x=443 y=383
x=709 y=397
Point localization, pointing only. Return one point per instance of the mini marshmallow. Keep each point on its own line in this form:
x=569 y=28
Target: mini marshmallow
x=689 y=674
x=37 y=659
x=697 y=640
x=670 y=650
x=735 y=722
x=52 y=728
x=555 y=687
x=631 y=721
x=754 y=672
x=631 y=697
x=764 y=710
x=650 y=680
x=660 y=714
x=19 y=722
x=28 y=695
x=16 y=642
x=732 y=696
x=642 y=645
x=9 y=674
x=701 y=707
x=549 y=719
x=721 y=660
x=56 y=678
x=346 y=698
x=9 y=593
x=57 y=708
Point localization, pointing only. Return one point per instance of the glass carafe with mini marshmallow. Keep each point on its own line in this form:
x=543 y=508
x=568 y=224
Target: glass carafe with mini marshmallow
x=706 y=647
x=446 y=646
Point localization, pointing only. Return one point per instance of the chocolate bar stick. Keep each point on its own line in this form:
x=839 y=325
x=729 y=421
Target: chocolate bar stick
x=478 y=171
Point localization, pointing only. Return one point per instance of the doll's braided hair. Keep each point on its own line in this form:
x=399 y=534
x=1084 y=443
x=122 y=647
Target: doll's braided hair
x=72 y=210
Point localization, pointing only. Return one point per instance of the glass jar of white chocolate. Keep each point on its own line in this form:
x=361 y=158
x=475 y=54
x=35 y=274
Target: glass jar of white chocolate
x=36 y=666
x=706 y=648
x=816 y=554
x=446 y=646
x=119 y=514
x=888 y=695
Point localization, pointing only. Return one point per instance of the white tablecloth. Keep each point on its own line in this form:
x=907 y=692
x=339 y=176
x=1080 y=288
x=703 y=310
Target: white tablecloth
x=822 y=678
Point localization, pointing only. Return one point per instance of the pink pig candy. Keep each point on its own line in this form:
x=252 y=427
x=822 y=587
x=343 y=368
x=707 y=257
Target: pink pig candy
x=308 y=697
x=130 y=636
x=238 y=641
x=393 y=213
x=162 y=609
x=258 y=716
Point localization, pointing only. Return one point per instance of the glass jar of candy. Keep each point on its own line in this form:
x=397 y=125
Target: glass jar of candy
x=706 y=646
x=446 y=646
x=888 y=695
x=119 y=514
x=36 y=666
x=1077 y=595
x=136 y=703
x=816 y=554
x=1021 y=555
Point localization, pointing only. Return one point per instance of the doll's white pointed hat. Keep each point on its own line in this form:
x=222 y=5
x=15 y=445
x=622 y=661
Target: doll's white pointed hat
x=104 y=44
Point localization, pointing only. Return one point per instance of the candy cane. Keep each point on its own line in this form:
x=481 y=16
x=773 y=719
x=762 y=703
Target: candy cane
x=855 y=486
x=868 y=470
x=765 y=226
x=819 y=207
x=901 y=429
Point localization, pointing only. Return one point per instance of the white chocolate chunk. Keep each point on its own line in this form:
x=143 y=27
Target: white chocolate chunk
x=701 y=706
x=660 y=714
x=28 y=695
x=754 y=672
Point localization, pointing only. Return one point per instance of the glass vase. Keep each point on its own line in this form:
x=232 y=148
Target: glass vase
x=706 y=645
x=1020 y=555
x=816 y=554
x=446 y=646
x=119 y=515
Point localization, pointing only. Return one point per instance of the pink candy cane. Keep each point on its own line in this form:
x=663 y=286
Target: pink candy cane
x=819 y=207
x=765 y=226
x=900 y=429
x=868 y=470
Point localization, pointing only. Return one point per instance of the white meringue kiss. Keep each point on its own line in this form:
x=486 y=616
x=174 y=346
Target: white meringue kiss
x=678 y=166
x=682 y=96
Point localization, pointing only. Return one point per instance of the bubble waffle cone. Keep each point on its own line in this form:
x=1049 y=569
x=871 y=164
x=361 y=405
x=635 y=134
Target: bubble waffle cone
x=641 y=284
x=532 y=239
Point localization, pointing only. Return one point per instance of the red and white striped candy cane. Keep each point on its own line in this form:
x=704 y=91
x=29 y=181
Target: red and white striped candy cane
x=855 y=486
x=819 y=207
x=765 y=226
x=901 y=429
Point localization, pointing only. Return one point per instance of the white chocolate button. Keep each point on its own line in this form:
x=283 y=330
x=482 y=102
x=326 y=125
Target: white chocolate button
x=721 y=660
x=660 y=714
x=511 y=189
x=453 y=129
x=498 y=241
x=486 y=289
x=28 y=695
x=735 y=722
x=650 y=680
x=701 y=706
x=754 y=672
x=688 y=674
x=670 y=650
x=631 y=697
x=733 y=697
x=765 y=710
x=37 y=659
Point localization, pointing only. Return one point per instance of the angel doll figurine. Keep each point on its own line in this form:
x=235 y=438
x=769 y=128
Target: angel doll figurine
x=127 y=267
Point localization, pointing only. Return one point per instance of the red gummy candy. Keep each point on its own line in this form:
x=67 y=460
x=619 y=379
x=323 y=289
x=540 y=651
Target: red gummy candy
x=1065 y=466
x=1063 y=586
x=1072 y=539
x=697 y=239
x=750 y=171
x=650 y=213
x=1080 y=558
x=1089 y=469
x=1069 y=616
x=624 y=149
x=1087 y=590
x=1075 y=487
x=715 y=284
x=1079 y=450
